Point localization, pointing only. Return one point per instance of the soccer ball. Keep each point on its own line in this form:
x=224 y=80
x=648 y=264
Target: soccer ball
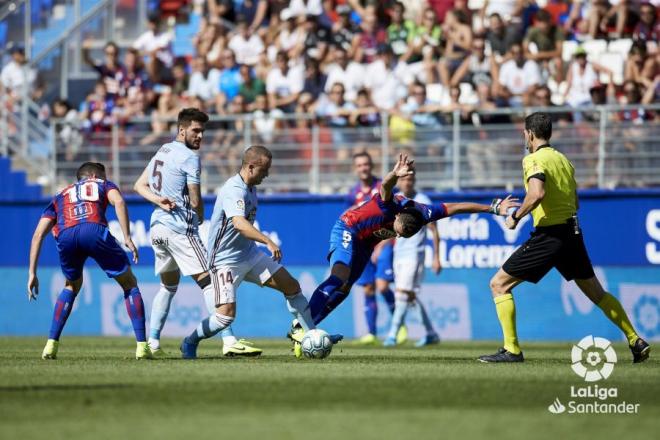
x=316 y=344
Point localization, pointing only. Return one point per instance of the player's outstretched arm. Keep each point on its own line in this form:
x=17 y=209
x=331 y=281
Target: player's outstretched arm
x=247 y=230
x=142 y=187
x=402 y=167
x=43 y=228
x=497 y=207
x=115 y=198
x=534 y=196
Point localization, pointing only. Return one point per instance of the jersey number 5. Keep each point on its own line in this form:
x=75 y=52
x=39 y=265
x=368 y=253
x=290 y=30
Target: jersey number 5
x=157 y=175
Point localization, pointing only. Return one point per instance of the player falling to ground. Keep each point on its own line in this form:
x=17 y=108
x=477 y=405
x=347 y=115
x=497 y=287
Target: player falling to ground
x=171 y=181
x=378 y=274
x=557 y=241
x=357 y=232
x=233 y=255
x=409 y=256
x=77 y=217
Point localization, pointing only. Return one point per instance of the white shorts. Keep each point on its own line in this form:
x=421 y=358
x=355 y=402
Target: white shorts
x=177 y=251
x=257 y=268
x=409 y=273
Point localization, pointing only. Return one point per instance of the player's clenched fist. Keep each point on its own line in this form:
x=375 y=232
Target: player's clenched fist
x=166 y=204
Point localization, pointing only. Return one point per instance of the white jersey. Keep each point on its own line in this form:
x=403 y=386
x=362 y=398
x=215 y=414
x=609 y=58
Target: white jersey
x=226 y=245
x=409 y=248
x=171 y=169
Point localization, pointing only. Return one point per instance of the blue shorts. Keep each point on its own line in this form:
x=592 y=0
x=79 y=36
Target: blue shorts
x=348 y=251
x=381 y=270
x=77 y=243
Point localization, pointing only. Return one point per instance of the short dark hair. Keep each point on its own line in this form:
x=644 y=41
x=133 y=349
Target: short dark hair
x=90 y=168
x=187 y=115
x=540 y=124
x=254 y=152
x=363 y=154
x=411 y=221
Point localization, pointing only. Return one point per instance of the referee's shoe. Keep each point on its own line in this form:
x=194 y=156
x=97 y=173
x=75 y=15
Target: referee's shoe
x=502 y=355
x=640 y=350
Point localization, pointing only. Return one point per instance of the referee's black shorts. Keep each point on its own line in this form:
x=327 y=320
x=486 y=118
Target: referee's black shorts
x=551 y=246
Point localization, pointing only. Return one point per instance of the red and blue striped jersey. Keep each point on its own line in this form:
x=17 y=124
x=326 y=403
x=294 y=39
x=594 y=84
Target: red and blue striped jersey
x=374 y=220
x=358 y=195
x=82 y=202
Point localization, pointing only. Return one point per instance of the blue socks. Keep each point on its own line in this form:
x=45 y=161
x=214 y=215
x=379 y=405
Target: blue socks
x=159 y=311
x=135 y=309
x=210 y=327
x=388 y=295
x=326 y=298
x=299 y=307
x=62 y=310
x=371 y=312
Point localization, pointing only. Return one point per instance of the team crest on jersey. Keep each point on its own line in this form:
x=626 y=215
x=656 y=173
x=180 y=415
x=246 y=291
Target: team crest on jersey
x=384 y=234
x=240 y=204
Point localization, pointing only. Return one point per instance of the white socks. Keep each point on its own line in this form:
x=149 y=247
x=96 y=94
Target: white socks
x=299 y=308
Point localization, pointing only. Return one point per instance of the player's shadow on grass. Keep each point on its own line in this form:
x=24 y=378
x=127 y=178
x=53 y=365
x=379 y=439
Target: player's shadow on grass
x=64 y=387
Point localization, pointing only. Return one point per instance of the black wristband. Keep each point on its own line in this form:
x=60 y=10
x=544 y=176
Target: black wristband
x=513 y=216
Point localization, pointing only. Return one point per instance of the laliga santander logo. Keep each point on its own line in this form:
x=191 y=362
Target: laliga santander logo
x=593 y=358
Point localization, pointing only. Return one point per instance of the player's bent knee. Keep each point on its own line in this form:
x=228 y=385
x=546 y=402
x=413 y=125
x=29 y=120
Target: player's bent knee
x=127 y=280
x=74 y=285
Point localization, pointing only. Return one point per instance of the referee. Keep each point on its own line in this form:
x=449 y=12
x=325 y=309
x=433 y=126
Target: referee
x=551 y=197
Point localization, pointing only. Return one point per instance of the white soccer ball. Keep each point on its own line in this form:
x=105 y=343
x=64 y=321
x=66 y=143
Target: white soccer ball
x=316 y=344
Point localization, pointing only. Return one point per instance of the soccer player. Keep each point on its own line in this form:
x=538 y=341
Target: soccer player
x=377 y=275
x=233 y=255
x=77 y=217
x=359 y=230
x=409 y=255
x=171 y=181
x=551 y=197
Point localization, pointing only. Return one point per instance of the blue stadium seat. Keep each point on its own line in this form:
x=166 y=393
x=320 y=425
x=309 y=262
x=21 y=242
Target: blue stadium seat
x=14 y=184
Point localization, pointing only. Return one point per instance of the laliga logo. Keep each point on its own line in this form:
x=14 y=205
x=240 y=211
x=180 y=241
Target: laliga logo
x=593 y=358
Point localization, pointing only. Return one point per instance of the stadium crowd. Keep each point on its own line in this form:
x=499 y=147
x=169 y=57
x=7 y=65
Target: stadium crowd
x=346 y=61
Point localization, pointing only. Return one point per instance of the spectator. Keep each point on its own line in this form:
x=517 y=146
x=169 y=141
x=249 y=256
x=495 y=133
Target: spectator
x=290 y=38
x=254 y=11
x=250 y=87
x=230 y=80
x=542 y=97
x=284 y=84
x=110 y=70
x=335 y=112
x=517 y=78
x=425 y=37
x=349 y=74
x=163 y=118
x=500 y=36
x=477 y=68
x=156 y=42
x=180 y=81
x=343 y=31
x=316 y=40
x=17 y=75
x=265 y=121
x=509 y=10
x=246 y=45
x=648 y=27
x=134 y=85
x=216 y=10
x=400 y=30
x=582 y=76
x=640 y=67
x=458 y=36
x=67 y=134
x=366 y=114
x=315 y=80
x=98 y=110
x=616 y=15
x=365 y=43
x=210 y=42
x=306 y=7
x=543 y=44
x=419 y=110
x=204 y=81
x=387 y=78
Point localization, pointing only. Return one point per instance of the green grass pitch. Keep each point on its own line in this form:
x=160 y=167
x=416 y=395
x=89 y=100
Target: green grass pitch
x=96 y=390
